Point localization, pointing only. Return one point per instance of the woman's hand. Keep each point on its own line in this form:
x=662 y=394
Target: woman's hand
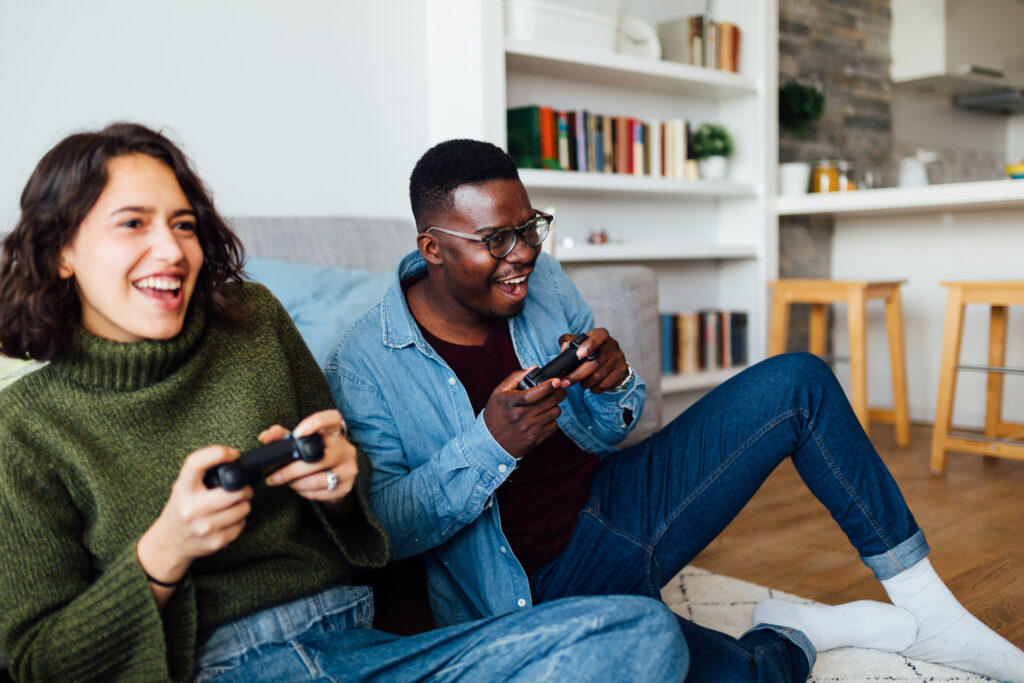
x=196 y=521
x=330 y=480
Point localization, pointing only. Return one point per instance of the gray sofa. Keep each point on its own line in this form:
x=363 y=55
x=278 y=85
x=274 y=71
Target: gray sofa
x=624 y=298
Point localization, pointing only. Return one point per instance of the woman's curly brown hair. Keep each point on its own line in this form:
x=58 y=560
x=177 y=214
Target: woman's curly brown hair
x=39 y=309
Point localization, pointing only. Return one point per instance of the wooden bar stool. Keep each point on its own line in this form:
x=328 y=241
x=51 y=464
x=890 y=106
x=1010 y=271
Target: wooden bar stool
x=855 y=294
x=1001 y=439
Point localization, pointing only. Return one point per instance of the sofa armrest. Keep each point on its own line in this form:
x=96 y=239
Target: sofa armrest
x=625 y=301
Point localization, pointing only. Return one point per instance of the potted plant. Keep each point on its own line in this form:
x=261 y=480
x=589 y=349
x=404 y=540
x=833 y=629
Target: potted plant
x=799 y=106
x=712 y=146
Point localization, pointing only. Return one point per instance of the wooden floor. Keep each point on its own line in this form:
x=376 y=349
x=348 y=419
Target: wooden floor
x=973 y=518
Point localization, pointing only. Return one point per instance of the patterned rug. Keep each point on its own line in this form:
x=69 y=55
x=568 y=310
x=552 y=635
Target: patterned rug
x=726 y=604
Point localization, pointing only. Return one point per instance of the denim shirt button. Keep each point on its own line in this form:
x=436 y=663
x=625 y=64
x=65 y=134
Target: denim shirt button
x=503 y=550
x=503 y=468
x=451 y=381
x=521 y=602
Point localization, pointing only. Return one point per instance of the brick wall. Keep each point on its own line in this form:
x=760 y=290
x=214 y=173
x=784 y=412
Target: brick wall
x=841 y=46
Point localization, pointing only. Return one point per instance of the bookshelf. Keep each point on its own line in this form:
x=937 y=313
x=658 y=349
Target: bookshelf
x=712 y=244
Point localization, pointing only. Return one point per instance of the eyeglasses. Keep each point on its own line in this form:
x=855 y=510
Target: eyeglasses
x=501 y=241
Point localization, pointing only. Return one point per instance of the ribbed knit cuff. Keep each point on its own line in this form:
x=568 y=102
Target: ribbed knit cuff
x=359 y=534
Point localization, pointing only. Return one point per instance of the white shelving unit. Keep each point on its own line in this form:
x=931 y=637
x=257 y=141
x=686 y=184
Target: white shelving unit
x=712 y=244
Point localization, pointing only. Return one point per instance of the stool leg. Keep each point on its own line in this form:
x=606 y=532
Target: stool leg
x=898 y=365
x=856 y=315
x=819 y=329
x=951 y=335
x=780 y=323
x=996 y=358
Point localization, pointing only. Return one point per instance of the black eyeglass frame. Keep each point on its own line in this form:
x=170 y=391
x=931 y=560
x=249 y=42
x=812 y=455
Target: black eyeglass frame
x=516 y=233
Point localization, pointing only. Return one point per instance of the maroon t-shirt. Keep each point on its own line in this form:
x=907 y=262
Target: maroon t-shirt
x=540 y=501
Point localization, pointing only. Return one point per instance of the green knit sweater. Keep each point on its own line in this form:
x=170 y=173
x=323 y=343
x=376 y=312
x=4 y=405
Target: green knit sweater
x=90 y=446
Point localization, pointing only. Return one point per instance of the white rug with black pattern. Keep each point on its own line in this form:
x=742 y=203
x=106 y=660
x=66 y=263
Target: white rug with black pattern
x=726 y=604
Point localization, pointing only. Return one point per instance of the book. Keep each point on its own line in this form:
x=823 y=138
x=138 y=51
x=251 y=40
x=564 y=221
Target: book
x=666 y=343
x=570 y=117
x=728 y=46
x=623 y=145
x=738 y=336
x=654 y=148
x=563 y=140
x=591 y=143
x=636 y=127
x=549 y=136
x=710 y=43
x=598 y=129
x=524 y=136
x=608 y=143
x=725 y=339
x=581 y=140
x=697 y=40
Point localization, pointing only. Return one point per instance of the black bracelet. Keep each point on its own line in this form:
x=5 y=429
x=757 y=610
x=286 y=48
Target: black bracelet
x=163 y=584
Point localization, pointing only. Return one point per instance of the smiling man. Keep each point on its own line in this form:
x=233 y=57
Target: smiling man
x=518 y=497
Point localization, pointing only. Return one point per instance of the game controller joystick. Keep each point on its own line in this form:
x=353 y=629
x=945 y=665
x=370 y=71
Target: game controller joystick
x=560 y=366
x=258 y=463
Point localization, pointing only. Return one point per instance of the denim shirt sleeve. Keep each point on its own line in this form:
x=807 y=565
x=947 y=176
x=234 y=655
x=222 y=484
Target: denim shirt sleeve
x=425 y=497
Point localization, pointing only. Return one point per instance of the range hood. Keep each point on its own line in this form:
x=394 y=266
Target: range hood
x=967 y=49
x=999 y=101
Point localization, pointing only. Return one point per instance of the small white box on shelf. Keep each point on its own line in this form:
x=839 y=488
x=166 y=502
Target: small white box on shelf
x=590 y=23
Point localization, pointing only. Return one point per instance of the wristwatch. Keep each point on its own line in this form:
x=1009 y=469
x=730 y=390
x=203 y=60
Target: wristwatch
x=625 y=382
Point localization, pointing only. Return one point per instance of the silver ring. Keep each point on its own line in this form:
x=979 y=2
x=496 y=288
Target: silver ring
x=332 y=480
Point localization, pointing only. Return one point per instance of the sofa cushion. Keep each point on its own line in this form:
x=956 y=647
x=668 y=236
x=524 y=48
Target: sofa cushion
x=13 y=368
x=322 y=300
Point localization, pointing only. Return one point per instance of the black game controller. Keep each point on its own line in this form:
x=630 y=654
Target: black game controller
x=256 y=464
x=560 y=366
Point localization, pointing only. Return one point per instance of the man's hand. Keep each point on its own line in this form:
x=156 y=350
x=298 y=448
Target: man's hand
x=519 y=420
x=607 y=371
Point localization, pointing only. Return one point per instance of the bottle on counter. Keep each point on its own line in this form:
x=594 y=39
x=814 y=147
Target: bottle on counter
x=845 y=182
x=825 y=177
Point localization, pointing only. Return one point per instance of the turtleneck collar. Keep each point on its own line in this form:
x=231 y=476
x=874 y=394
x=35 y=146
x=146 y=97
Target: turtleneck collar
x=122 y=366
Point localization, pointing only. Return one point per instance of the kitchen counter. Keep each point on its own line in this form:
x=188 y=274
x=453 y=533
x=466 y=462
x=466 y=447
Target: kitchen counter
x=994 y=194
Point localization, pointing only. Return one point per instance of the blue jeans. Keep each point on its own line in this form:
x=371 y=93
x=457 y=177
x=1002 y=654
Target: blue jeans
x=654 y=506
x=327 y=637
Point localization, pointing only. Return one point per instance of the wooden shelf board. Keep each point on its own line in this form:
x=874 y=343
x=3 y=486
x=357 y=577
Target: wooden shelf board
x=608 y=68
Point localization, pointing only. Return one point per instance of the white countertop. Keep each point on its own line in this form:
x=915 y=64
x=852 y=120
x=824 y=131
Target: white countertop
x=992 y=194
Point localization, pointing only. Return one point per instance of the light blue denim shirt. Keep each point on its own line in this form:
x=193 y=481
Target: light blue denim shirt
x=435 y=465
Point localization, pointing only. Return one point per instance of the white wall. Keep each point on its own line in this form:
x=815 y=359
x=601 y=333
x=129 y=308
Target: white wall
x=287 y=108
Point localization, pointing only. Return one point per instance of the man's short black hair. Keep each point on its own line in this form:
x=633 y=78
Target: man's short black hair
x=449 y=165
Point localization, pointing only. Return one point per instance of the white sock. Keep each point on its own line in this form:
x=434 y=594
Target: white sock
x=864 y=623
x=947 y=633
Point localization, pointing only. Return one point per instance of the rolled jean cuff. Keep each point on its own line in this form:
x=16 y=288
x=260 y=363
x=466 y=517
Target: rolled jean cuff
x=794 y=636
x=903 y=556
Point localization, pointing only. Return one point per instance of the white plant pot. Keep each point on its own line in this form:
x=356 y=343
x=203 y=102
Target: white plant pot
x=714 y=167
x=794 y=178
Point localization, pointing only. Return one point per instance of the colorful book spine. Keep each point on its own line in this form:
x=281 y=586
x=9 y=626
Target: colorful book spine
x=563 y=140
x=581 y=140
x=548 y=137
x=637 y=135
